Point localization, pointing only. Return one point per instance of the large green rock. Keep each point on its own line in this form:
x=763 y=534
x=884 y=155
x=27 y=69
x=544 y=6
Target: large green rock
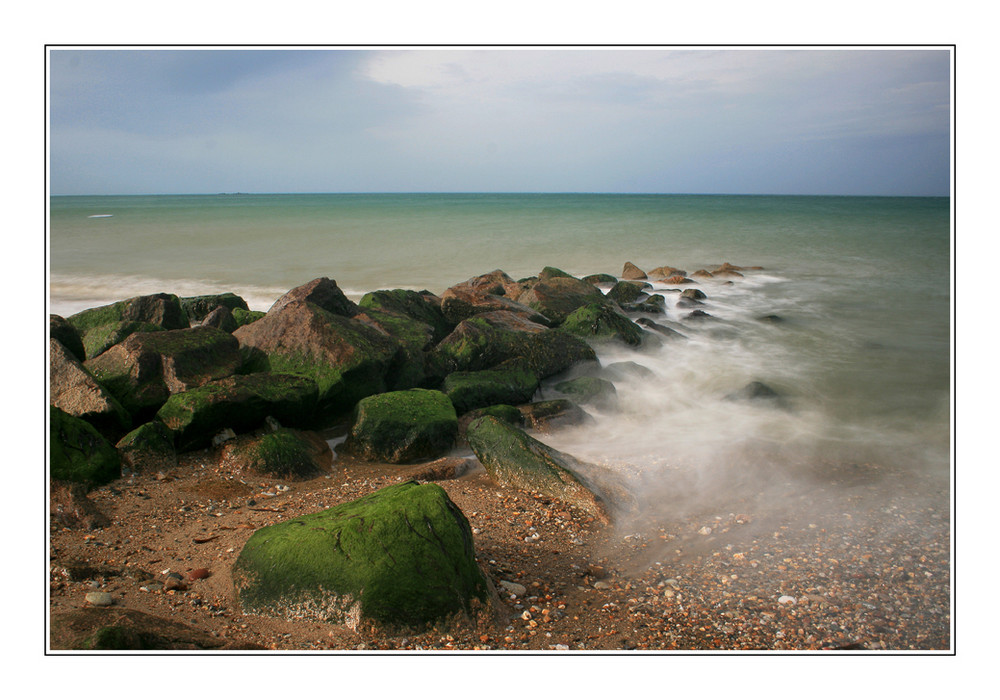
x=489 y=339
x=403 y=426
x=415 y=366
x=514 y=458
x=197 y=308
x=146 y=368
x=506 y=385
x=162 y=310
x=78 y=453
x=419 y=306
x=240 y=403
x=100 y=338
x=401 y=557
x=284 y=453
x=346 y=358
x=592 y=391
x=557 y=297
x=602 y=323
x=148 y=449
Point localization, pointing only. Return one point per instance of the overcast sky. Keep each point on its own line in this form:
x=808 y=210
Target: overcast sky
x=765 y=121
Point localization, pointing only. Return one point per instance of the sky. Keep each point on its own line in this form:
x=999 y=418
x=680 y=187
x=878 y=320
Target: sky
x=844 y=121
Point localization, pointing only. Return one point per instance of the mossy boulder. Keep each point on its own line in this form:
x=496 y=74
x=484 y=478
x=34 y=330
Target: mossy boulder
x=75 y=390
x=512 y=384
x=62 y=330
x=513 y=458
x=162 y=310
x=403 y=426
x=78 y=453
x=601 y=279
x=552 y=414
x=415 y=366
x=243 y=317
x=495 y=291
x=221 y=318
x=558 y=297
x=283 y=453
x=146 y=368
x=489 y=339
x=592 y=391
x=98 y=339
x=347 y=359
x=197 y=308
x=148 y=449
x=625 y=292
x=241 y=403
x=602 y=323
x=651 y=304
x=419 y=306
x=401 y=557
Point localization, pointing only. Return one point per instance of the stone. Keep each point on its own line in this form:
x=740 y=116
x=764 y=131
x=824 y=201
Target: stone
x=222 y=318
x=75 y=390
x=100 y=338
x=511 y=383
x=693 y=294
x=631 y=272
x=495 y=291
x=602 y=323
x=347 y=359
x=418 y=306
x=162 y=310
x=625 y=293
x=322 y=292
x=402 y=557
x=513 y=588
x=148 y=449
x=601 y=279
x=243 y=317
x=664 y=331
x=442 y=469
x=667 y=271
x=70 y=507
x=677 y=279
x=513 y=458
x=284 y=453
x=553 y=414
x=402 y=426
x=78 y=453
x=62 y=330
x=199 y=573
x=416 y=365
x=558 y=297
x=757 y=391
x=99 y=598
x=197 y=308
x=593 y=391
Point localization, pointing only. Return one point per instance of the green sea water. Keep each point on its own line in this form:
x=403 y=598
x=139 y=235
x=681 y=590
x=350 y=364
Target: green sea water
x=863 y=285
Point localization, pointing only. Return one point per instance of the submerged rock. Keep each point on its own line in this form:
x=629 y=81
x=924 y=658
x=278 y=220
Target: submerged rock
x=402 y=557
x=553 y=414
x=590 y=390
x=403 y=426
x=602 y=322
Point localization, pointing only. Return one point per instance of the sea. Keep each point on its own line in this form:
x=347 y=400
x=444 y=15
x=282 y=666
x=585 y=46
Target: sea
x=849 y=318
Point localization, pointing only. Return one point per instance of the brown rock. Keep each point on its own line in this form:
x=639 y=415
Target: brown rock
x=70 y=507
x=324 y=293
x=667 y=271
x=701 y=273
x=677 y=279
x=631 y=272
x=439 y=470
x=196 y=574
x=74 y=390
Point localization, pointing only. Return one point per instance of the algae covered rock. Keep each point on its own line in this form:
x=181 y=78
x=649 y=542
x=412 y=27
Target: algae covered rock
x=322 y=292
x=552 y=414
x=197 y=308
x=402 y=557
x=78 y=453
x=285 y=453
x=557 y=297
x=164 y=310
x=602 y=322
x=241 y=402
x=513 y=384
x=62 y=330
x=514 y=458
x=148 y=449
x=73 y=389
x=418 y=306
x=243 y=317
x=592 y=391
x=403 y=426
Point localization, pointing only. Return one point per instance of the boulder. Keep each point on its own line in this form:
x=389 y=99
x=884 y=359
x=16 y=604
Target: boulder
x=419 y=306
x=698 y=315
x=592 y=391
x=322 y=292
x=653 y=304
x=553 y=414
x=70 y=507
x=665 y=331
x=603 y=323
x=243 y=317
x=511 y=383
x=122 y=629
x=601 y=279
x=73 y=389
x=146 y=368
x=625 y=292
x=78 y=453
x=677 y=279
x=513 y=458
x=62 y=330
x=443 y=469
x=222 y=318
x=240 y=403
x=162 y=310
x=148 y=449
x=487 y=340
x=415 y=365
x=727 y=270
x=702 y=273
x=558 y=297
x=99 y=338
x=758 y=391
x=346 y=358
x=627 y=369
x=667 y=271
x=631 y=272
x=283 y=453
x=402 y=557
x=495 y=291
x=402 y=426
x=502 y=411
x=693 y=294
x=197 y=308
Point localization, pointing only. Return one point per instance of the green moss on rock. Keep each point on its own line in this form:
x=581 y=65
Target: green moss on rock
x=403 y=426
x=601 y=322
x=471 y=390
x=244 y=317
x=402 y=557
x=149 y=448
x=282 y=453
x=78 y=453
x=199 y=307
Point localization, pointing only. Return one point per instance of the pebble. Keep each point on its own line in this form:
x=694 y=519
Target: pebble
x=602 y=584
x=515 y=588
x=196 y=574
x=99 y=598
x=787 y=600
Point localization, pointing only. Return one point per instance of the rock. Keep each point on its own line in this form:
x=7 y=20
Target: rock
x=78 y=453
x=590 y=391
x=99 y=598
x=146 y=368
x=702 y=273
x=122 y=629
x=625 y=293
x=666 y=331
x=70 y=507
x=322 y=292
x=627 y=369
x=75 y=390
x=490 y=339
x=558 y=297
x=197 y=308
x=603 y=323
x=347 y=359
x=243 y=317
x=667 y=271
x=698 y=314
x=423 y=307
x=403 y=426
x=727 y=270
x=62 y=330
x=240 y=403
x=495 y=291
x=513 y=458
x=654 y=304
x=631 y=272
x=696 y=294
x=756 y=391
x=677 y=279
x=442 y=469
x=200 y=573
x=546 y=416
x=601 y=280
x=400 y=557
x=100 y=338
x=787 y=600
x=284 y=453
x=771 y=318
x=510 y=383
x=148 y=449
x=515 y=589
x=162 y=310
x=221 y=318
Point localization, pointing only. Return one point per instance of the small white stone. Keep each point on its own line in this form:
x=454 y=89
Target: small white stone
x=787 y=600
